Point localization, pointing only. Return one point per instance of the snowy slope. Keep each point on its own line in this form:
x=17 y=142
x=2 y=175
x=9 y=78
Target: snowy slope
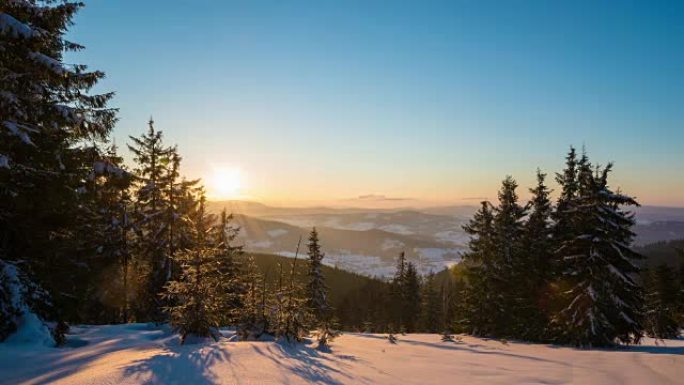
x=141 y=354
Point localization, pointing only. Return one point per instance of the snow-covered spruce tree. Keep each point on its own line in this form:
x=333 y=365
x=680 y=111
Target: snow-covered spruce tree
x=109 y=184
x=292 y=317
x=534 y=265
x=49 y=129
x=197 y=297
x=661 y=303
x=23 y=302
x=316 y=289
x=317 y=293
x=510 y=265
x=253 y=317
x=563 y=228
x=603 y=304
x=481 y=302
x=233 y=286
x=151 y=221
x=179 y=196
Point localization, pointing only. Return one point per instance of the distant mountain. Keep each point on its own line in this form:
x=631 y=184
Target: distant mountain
x=368 y=252
x=368 y=240
x=658 y=231
x=649 y=214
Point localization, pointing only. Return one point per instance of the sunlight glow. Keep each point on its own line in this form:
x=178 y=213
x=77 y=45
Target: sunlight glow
x=225 y=183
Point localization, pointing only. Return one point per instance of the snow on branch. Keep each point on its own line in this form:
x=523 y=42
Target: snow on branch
x=4 y=161
x=15 y=28
x=107 y=168
x=19 y=131
x=53 y=64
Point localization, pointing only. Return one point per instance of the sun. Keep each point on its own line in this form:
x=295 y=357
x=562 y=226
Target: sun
x=225 y=183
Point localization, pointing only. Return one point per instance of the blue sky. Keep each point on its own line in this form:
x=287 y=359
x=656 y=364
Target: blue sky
x=436 y=101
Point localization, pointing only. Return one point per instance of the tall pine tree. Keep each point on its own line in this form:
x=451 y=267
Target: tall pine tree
x=603 y=304
x=317 y=291
x=50 y=130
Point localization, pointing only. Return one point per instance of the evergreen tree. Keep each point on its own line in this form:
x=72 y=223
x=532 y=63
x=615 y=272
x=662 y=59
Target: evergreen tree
x=480 y=298
x=50 y=130
x=152 y=219
x=198 y=301
x=233 y=286
x=567 y=180
x=510 y=264
x=661 y=301
x=398 y=292
x=317 y=291
x=603 y=305
x=292 y=313
x=431 y=318
x=411 y=299
x=253 y=318
x=534 y=265
x=110 y=184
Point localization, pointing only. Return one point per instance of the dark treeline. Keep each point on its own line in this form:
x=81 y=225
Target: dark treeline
x=85 y=238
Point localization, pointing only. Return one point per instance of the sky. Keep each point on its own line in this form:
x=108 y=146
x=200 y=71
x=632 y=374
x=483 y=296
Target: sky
x=391 y=102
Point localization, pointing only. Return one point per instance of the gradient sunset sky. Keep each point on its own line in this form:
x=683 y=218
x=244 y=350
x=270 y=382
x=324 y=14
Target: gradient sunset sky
x=430 y=102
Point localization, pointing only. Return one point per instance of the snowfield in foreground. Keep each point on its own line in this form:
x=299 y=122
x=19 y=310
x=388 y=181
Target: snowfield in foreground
x=143 y=354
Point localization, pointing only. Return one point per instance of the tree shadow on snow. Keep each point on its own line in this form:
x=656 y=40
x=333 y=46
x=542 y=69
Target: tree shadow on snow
x=471 y=348
x=661 y=349
x=182 y=365
x=311 y=364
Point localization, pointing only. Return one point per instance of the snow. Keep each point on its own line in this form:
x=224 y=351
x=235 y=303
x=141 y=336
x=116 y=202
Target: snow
x=397 y=229
x=4 y=161
x=31 y=330
x=390 y=244
x=275 y=233
x=14 y=28
x=53 y=64
x=18 y=130
x=144 y=354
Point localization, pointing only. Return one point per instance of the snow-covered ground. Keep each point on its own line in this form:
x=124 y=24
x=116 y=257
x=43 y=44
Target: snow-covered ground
x=142 y=354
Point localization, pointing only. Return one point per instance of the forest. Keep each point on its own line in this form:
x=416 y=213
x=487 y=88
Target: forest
x=87 y=238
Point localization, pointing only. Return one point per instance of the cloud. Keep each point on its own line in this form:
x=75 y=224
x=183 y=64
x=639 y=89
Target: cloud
x=378 y=198
x=474 y=199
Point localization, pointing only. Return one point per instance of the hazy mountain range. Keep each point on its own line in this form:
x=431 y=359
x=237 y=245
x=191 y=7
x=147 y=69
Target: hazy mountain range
x=368 y=240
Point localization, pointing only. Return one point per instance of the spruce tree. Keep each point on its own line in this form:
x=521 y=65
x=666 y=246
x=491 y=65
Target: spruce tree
x=534 y=265
x=510 y=266
x=152 y=220
x=411 y=296
x=234 y=285
x=198 y=301
x=431 y=306
x=603 y=304
x=562 y=215
x=111 y=235
x=51 y=127
x=317 y=291
x=253 y=318
x=661 y=303
x=292 y=315
x=480 y=296
x=397 y=291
